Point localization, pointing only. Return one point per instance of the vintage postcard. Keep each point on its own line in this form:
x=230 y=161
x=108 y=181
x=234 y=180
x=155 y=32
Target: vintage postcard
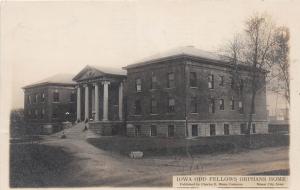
x=161 y=94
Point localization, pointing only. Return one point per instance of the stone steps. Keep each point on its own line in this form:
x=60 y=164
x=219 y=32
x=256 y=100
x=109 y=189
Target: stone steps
x=74 y=132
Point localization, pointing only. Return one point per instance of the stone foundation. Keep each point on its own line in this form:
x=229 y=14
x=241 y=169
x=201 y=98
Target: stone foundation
x=161 y=126
x=44 y=128
x=107 y=128
x=261 y=127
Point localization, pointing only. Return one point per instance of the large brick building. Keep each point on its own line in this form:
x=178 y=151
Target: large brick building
x=187 y=92
x=49 y=103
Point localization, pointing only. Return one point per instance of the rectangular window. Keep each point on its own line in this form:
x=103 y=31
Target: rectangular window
x=171 y=80
x=35 y=98
x=194 y=130
x=171 y=105
x=137 y=130
x=138 y=107
x=43 y=97
x=153 y=82
x=194 y=105
x=222 y=107
x=72 y=97
x=231 y=82
x=55 y=113
x=232 y=103
x=211 y=81
x=29 y=99
x=55 y=96
x=211 y=105
x=241 y=107
x=221 y=81
x=243 y=128
x=171 y=131
x=42 y=113
x=153 y=131
x=36 y=113
x=138 y=85
x=253 y=112
x=212 y=129
x=153 y=108
x=253 y=128
x=29 y=114
x=226 y=129
x=193 y=79
x=241 y=84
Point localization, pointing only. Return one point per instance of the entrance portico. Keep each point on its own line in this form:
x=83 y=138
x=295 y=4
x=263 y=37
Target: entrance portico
x=99 y=95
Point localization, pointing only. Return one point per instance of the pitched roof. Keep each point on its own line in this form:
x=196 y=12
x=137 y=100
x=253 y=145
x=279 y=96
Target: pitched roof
x=61 y=78
x=186 y=50
x=109 y=70
x=99 y=71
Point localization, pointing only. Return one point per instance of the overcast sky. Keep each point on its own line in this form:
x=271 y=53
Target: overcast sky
x=41 y=39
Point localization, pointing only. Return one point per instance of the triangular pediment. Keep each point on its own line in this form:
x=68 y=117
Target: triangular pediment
x=88 y=73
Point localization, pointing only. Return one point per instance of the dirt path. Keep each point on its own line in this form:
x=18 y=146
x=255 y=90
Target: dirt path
x=95 y=167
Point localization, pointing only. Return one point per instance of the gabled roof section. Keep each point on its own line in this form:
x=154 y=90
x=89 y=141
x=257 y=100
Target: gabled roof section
x=92 y=71
x=61 y=78
x=181 y=51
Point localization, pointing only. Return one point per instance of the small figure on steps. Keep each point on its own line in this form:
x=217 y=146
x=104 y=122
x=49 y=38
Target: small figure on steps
x=63 y=136
x=85 y=123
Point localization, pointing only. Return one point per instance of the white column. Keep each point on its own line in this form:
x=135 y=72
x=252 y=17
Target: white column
x=86 y=104
x=105 y=100
x=121 y=101
x=96 y=102
x=78 y=104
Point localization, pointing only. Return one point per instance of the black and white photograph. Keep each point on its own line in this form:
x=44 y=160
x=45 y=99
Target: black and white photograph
x=142 y=94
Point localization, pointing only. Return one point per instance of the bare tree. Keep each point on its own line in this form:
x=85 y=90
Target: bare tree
x=255 y=50
x=281 y=60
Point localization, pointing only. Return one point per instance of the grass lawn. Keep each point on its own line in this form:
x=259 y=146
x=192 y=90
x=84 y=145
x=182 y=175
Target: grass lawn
x=104 y=161
x=36 y=165
x=179 y=146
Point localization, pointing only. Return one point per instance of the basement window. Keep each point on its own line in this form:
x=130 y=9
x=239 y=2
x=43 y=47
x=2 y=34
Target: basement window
x=171 y=131
x=153 y=131
x=212 y=129
x=226 y=129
